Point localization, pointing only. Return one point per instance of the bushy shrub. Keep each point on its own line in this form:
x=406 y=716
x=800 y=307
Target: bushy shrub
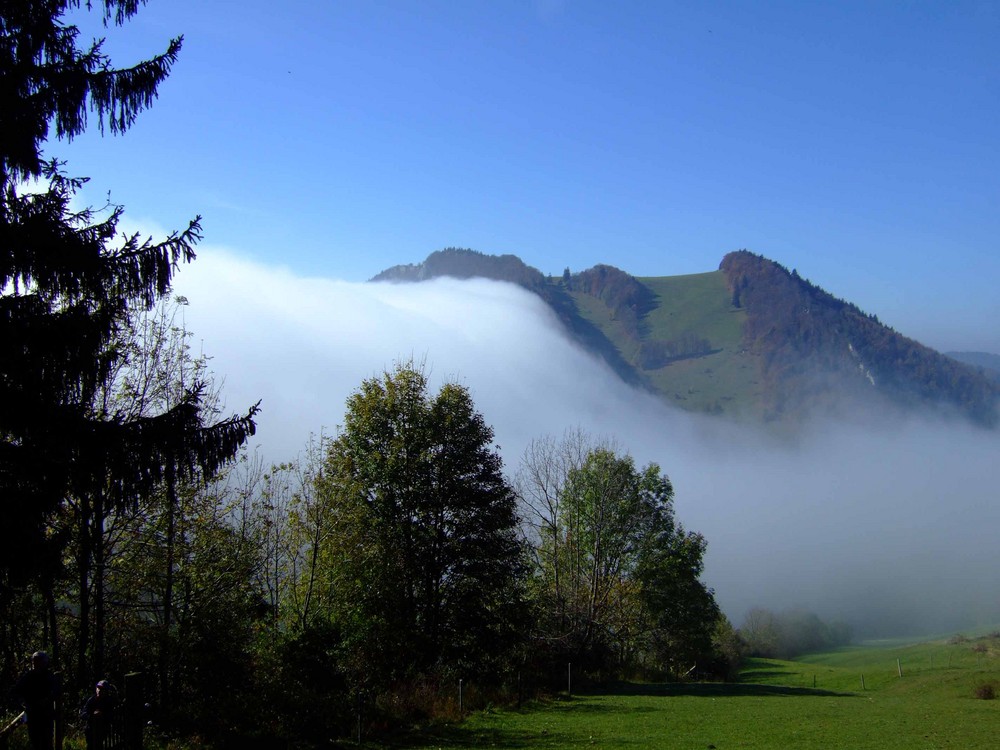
x=986 y=691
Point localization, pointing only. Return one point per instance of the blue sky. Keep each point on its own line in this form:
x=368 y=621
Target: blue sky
x=854 y=142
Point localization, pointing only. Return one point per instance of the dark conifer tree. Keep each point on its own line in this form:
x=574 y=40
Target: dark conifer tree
x=68 y=282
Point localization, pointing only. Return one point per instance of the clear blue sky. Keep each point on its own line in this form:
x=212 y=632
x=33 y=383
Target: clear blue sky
x=856 y=142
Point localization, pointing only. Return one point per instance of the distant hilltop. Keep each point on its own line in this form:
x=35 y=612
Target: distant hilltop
x=988 y=363
x=751 y=340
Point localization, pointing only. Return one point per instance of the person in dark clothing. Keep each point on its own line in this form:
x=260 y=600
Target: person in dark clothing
x=37 y=690
x=97 y=713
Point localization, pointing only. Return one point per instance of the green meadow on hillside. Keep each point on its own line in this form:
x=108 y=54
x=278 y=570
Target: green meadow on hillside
x=726 y=379
x=697 y=305
x=814 y=702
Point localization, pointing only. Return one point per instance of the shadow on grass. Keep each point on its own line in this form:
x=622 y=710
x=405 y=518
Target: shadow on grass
x=461 y=735
x=760 y=675
x=717 y=690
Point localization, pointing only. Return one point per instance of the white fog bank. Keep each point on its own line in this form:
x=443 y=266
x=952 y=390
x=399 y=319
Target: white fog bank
x=892 y=529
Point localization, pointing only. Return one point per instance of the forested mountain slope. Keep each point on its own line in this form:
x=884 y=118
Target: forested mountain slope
x=817 y=349
x=750 y=340
x=988 y=364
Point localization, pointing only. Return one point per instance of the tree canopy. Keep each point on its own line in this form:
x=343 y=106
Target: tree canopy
x=69 y=282
x=617 y=579
x=72 y=288
x=429 y=563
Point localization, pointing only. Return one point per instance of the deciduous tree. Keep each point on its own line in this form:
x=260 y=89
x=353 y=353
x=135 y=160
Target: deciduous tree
x=617 y=580
x=430 y=565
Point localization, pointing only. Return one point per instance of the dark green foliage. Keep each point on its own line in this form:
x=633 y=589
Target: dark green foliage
x=430 y=565
x=49 y=80
x=76 y=453
x=683 y=611
x=616 y=587
x=729 y=651
x=66 y=290
x=655 y=354
x=310 y=696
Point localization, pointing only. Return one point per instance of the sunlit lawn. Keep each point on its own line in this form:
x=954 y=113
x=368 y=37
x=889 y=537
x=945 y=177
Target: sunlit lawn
x=776 y=706
x=913 y=696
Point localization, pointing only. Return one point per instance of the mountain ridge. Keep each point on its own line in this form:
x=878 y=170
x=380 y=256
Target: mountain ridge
x=986 y=362
x=750 y=340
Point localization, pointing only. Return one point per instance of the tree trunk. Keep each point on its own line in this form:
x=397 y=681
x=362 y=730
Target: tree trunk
x=48 y=593
x=84 y=557
x=98 y=585
x=168 y=587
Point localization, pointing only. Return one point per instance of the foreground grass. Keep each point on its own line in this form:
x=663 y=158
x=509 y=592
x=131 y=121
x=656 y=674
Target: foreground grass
x=816 y=702
x=884 y=696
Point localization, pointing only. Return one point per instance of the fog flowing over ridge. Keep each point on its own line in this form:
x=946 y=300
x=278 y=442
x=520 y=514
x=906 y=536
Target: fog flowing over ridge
x=892 y=528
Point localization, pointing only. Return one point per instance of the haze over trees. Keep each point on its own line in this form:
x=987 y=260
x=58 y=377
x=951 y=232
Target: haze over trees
x=790 y=633
x=396 y=559
x=791 y=321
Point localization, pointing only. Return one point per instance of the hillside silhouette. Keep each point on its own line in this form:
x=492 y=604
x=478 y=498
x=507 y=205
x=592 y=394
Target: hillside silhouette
x=751 y=340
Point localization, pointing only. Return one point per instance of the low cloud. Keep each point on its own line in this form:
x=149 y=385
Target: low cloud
x=892 y=528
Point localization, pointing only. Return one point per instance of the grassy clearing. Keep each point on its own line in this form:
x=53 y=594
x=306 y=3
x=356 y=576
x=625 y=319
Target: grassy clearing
x=699 y=304
x=816 y=702
x=725 y=380
x=695 y=302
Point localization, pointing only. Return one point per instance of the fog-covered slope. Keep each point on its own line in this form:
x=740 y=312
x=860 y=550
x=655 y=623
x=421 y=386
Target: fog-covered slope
x=752 y=341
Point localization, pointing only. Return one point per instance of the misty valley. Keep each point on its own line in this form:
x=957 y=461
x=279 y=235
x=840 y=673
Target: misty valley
x=465 y=503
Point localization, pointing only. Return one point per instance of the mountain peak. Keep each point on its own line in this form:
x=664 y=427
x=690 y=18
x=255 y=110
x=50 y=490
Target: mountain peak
x=462 y=263
x=752 y=340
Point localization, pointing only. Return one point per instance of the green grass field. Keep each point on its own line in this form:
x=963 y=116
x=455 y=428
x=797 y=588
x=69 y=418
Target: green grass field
x=815 y=702
x=892 y=696
x=725 y=380
x=694 y=302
